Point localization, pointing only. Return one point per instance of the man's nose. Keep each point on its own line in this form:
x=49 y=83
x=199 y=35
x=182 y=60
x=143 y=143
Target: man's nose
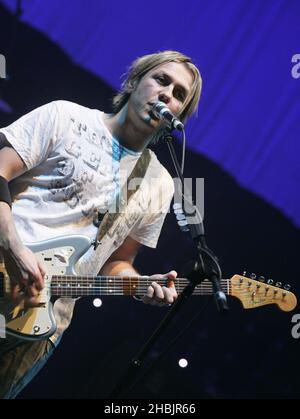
x=165 y=95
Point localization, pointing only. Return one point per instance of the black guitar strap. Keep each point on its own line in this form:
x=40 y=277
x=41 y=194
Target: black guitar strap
x=122 y=200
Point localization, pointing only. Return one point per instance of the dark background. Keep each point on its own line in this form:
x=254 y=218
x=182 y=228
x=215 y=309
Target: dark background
x=247 y=353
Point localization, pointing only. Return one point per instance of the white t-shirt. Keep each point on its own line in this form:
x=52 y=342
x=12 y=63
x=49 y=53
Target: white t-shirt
x=74 y=167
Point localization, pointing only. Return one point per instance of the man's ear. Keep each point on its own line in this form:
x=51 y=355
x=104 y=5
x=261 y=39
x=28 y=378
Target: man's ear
x=131 y=85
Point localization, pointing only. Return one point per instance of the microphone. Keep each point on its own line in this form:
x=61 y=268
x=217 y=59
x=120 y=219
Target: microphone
x=161 y=111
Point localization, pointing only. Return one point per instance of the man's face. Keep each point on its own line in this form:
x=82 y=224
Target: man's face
x=170 y=83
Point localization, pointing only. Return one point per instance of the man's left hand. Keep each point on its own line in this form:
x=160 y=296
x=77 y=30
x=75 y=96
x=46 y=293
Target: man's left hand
x=158 y=295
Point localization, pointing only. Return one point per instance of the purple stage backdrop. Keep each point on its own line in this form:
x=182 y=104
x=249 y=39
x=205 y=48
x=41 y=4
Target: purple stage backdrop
x=248 y=120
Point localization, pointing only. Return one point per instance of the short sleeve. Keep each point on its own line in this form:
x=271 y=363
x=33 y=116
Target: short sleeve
x=147 y=230
x=34 y=134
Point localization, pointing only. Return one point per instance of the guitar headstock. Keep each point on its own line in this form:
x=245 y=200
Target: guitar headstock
x=255 y=293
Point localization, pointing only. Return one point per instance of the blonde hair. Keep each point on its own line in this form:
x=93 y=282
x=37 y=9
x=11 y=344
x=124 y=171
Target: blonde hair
x=143 y=65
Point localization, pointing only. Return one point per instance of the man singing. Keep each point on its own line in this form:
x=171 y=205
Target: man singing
x=60 y=163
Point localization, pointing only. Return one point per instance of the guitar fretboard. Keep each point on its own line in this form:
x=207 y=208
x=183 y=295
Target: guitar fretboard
x=79 y=286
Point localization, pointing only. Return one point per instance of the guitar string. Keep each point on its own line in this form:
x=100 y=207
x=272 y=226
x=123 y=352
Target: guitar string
x=74 y=285
x=113 y=286
x=116 y=289
x=110 y=285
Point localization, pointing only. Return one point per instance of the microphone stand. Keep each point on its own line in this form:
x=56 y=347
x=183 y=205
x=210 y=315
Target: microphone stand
x=205 y=267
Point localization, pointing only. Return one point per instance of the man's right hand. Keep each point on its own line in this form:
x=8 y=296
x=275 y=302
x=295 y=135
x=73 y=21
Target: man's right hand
x=26 y=274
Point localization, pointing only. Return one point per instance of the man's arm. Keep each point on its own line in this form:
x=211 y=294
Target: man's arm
x=11 y=166
x=121 y=263
x=22 y=264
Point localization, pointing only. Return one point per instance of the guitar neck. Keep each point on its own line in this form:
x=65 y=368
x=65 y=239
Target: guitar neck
x=79 y=286
x=250 y=292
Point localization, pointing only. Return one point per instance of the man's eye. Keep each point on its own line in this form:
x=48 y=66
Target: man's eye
x=160 y=79
x=181 y=97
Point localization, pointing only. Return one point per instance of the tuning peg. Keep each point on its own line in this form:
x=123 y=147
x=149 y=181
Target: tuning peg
x=270 y=281
x=262 y=278
x=253 y=276
x=278 y=284
x=287 y=287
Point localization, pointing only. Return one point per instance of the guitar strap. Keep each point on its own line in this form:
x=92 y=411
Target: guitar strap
x=123 y=198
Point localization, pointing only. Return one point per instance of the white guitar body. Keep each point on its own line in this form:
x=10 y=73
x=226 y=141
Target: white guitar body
x=59 y=255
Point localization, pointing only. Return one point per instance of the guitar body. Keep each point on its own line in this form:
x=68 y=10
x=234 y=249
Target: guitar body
x=59 y=255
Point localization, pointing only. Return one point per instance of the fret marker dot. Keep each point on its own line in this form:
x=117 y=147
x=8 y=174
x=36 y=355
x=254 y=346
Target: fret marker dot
x=97 y=302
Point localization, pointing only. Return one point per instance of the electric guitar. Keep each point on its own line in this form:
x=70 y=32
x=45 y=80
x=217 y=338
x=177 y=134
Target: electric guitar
x=60 y=256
